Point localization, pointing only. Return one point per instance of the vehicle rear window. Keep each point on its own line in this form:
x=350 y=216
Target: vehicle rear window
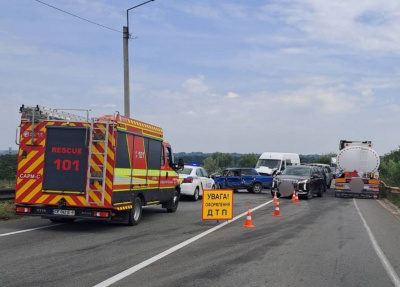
x=297 y=171
x=186 y=170
x=247 y=172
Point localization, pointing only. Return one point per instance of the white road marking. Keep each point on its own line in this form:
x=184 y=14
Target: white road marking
x=153 y=259
x=385 y=262
x=27 y=230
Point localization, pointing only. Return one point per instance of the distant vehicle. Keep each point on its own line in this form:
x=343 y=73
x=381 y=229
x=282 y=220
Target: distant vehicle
x=333 y=162
x=307 y=180
x=357 y=170
x=333 y=169
x=330 y=175
x=194 y=180
x=243 y=178
x=270 y=163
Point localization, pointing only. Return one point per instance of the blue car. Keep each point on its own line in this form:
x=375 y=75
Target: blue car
x=243 y=178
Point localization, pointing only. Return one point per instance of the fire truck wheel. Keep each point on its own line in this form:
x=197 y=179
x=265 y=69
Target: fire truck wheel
x=174 y=202
x=136 y=212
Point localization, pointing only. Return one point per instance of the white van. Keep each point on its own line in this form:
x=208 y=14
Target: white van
x=270 y=163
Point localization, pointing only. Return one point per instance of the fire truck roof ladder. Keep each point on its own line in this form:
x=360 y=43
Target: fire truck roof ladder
x=99 y=132
x=42 y=113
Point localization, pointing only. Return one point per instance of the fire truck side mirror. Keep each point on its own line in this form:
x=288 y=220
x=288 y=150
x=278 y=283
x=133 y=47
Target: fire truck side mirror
x=17 y=136
x=180 y=164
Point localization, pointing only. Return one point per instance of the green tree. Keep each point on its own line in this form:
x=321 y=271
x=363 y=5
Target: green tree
x=210 y=165
x=193 y=159
x=389 y=170
x=325 y=158
x=8 y=166
x=248 y=160
x=223 y=159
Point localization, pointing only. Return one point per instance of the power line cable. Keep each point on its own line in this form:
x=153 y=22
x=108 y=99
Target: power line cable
x=78 y=17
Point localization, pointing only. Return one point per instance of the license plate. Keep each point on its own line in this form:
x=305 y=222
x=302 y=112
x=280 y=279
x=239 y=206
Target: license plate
x=64 y=212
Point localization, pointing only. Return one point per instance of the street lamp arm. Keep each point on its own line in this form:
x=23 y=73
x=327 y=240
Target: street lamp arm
x=127 y=11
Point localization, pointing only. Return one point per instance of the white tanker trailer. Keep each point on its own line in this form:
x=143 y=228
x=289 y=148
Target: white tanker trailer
x=357 y=164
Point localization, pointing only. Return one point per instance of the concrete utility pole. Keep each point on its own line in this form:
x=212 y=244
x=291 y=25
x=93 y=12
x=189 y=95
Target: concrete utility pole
x=126 y=37
x=126 y=72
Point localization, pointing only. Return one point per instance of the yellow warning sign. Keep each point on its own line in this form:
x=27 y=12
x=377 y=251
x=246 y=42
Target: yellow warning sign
x=217 y=204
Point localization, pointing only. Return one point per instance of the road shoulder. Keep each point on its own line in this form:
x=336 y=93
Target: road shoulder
x=392 y=208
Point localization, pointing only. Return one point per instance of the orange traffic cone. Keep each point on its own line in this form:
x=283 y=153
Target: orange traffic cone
x=248 y=222
x=296 y=200
x=277 y=212
x=294 y=195
x=276 y=199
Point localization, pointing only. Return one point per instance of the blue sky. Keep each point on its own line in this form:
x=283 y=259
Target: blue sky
x=228 y=76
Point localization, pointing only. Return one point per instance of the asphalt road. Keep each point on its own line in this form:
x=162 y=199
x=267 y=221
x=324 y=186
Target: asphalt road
x=324 y=241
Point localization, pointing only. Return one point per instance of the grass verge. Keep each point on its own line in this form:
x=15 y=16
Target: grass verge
x=7 y=210
x=7 y=183
x=394 y=198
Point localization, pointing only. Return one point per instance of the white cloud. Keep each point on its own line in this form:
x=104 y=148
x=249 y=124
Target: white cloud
x=189 y=113
x=275 y=73
x=96 y=9
x=196 y=85
x=103 y=105
x=347 y=23
x=295 y=51
x=394 y=108
x=232 y=95
x=201 y=10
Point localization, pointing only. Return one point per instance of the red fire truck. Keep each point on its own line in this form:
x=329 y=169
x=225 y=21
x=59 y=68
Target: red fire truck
x=107 y=168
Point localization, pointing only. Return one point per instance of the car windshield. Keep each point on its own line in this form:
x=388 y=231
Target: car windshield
x=270 y=163
x=185 y=170
x=297 y=171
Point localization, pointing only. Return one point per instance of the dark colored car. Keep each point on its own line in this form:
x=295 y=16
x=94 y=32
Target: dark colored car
x=329 y=173
x=306 y=180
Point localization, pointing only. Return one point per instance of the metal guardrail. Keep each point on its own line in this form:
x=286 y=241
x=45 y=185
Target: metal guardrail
x=391 y=189
x=7 y=194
